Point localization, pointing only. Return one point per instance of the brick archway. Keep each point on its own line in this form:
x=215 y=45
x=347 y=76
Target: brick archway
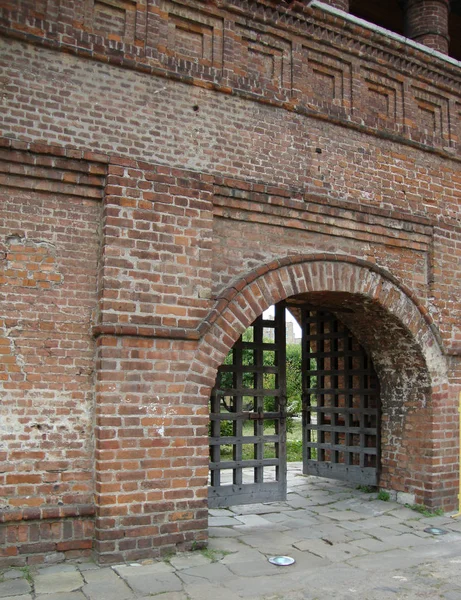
x=238 y=305
x=399 y=334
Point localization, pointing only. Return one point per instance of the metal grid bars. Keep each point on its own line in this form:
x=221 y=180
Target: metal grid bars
x=247 y=418
x=341 y=407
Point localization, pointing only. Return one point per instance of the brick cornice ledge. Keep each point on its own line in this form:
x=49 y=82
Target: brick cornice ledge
x=47 y=512
x=144 y=331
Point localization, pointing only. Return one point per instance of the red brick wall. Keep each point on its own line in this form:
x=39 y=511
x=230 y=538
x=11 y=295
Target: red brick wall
x=49 y=216
x=152 y=453
x=151 y=441
x=215 y=159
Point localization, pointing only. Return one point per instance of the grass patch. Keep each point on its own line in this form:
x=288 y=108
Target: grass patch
x=425 y=511
x=384 y=496
x=214 y=555
x=27 y=574
x=168 y=556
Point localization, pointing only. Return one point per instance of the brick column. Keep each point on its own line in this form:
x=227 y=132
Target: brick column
x=426 y=21
x=341 y=4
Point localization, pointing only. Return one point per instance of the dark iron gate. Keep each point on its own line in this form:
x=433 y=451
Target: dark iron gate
x=341 y=407
x=247 y=418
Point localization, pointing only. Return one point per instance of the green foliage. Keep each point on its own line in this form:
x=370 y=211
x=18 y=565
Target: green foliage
x=293 y=392
x=293 y=375
x=294 y=379
x=227 y=428
x=384 y=496
x=27 y=574
x=294 y=446
x=214 y=555
x=294 y=450
x=425 y=511
x=168 y=555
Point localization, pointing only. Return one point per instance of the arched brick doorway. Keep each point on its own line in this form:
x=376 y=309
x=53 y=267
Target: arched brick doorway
x=249 y=408
x=389 y=323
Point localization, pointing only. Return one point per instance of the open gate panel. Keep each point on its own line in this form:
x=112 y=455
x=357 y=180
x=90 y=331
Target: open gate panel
x=247 y=418
x=340 y=402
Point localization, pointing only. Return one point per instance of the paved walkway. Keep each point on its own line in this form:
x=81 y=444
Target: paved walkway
x=347 y=545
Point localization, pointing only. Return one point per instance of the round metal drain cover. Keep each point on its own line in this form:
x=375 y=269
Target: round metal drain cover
x=435 y=531
x=281 y=561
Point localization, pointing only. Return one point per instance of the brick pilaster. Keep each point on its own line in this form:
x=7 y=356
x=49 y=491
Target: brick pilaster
x=426 y=21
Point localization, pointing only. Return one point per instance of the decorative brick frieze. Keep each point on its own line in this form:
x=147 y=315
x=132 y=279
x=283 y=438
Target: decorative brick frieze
x=116 y=20
x=432 y=117
x=186 y=39
x=262 y=62
x=383 y=100
x=209 y=46
x=326 y=81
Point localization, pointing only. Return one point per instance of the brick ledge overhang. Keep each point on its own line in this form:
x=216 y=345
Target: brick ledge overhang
x=41 y=513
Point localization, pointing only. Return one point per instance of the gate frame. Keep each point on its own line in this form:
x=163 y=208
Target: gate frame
x=238 y=306
x=241 y=491
x=330 y=361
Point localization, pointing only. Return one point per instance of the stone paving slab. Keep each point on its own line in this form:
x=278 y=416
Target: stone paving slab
x=222 y=521
x=223 y=532
x=270 y=542
x=371 y=522
x=63 y=596
x=60 y=568
x=207 y=591
x=347 y=545
x=167 y=596
x=259 y=509
x=389 y=560
x=294 y=521
x=195 y=559
x=53 y=582
x=226 y=545
x=334 y=553
x=213 y=573
x=136 y=569
x=105 y=584
x=250 y=568
x=13 y=574
x=454 y=525
x=343 y=515
x=220 y=512
x=14 y=587
x=254 y=520
x=158 y=584
x=330 y=531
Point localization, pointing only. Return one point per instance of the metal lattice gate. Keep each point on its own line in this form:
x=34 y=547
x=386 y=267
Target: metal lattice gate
x=247 y=418
x=341 y=407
